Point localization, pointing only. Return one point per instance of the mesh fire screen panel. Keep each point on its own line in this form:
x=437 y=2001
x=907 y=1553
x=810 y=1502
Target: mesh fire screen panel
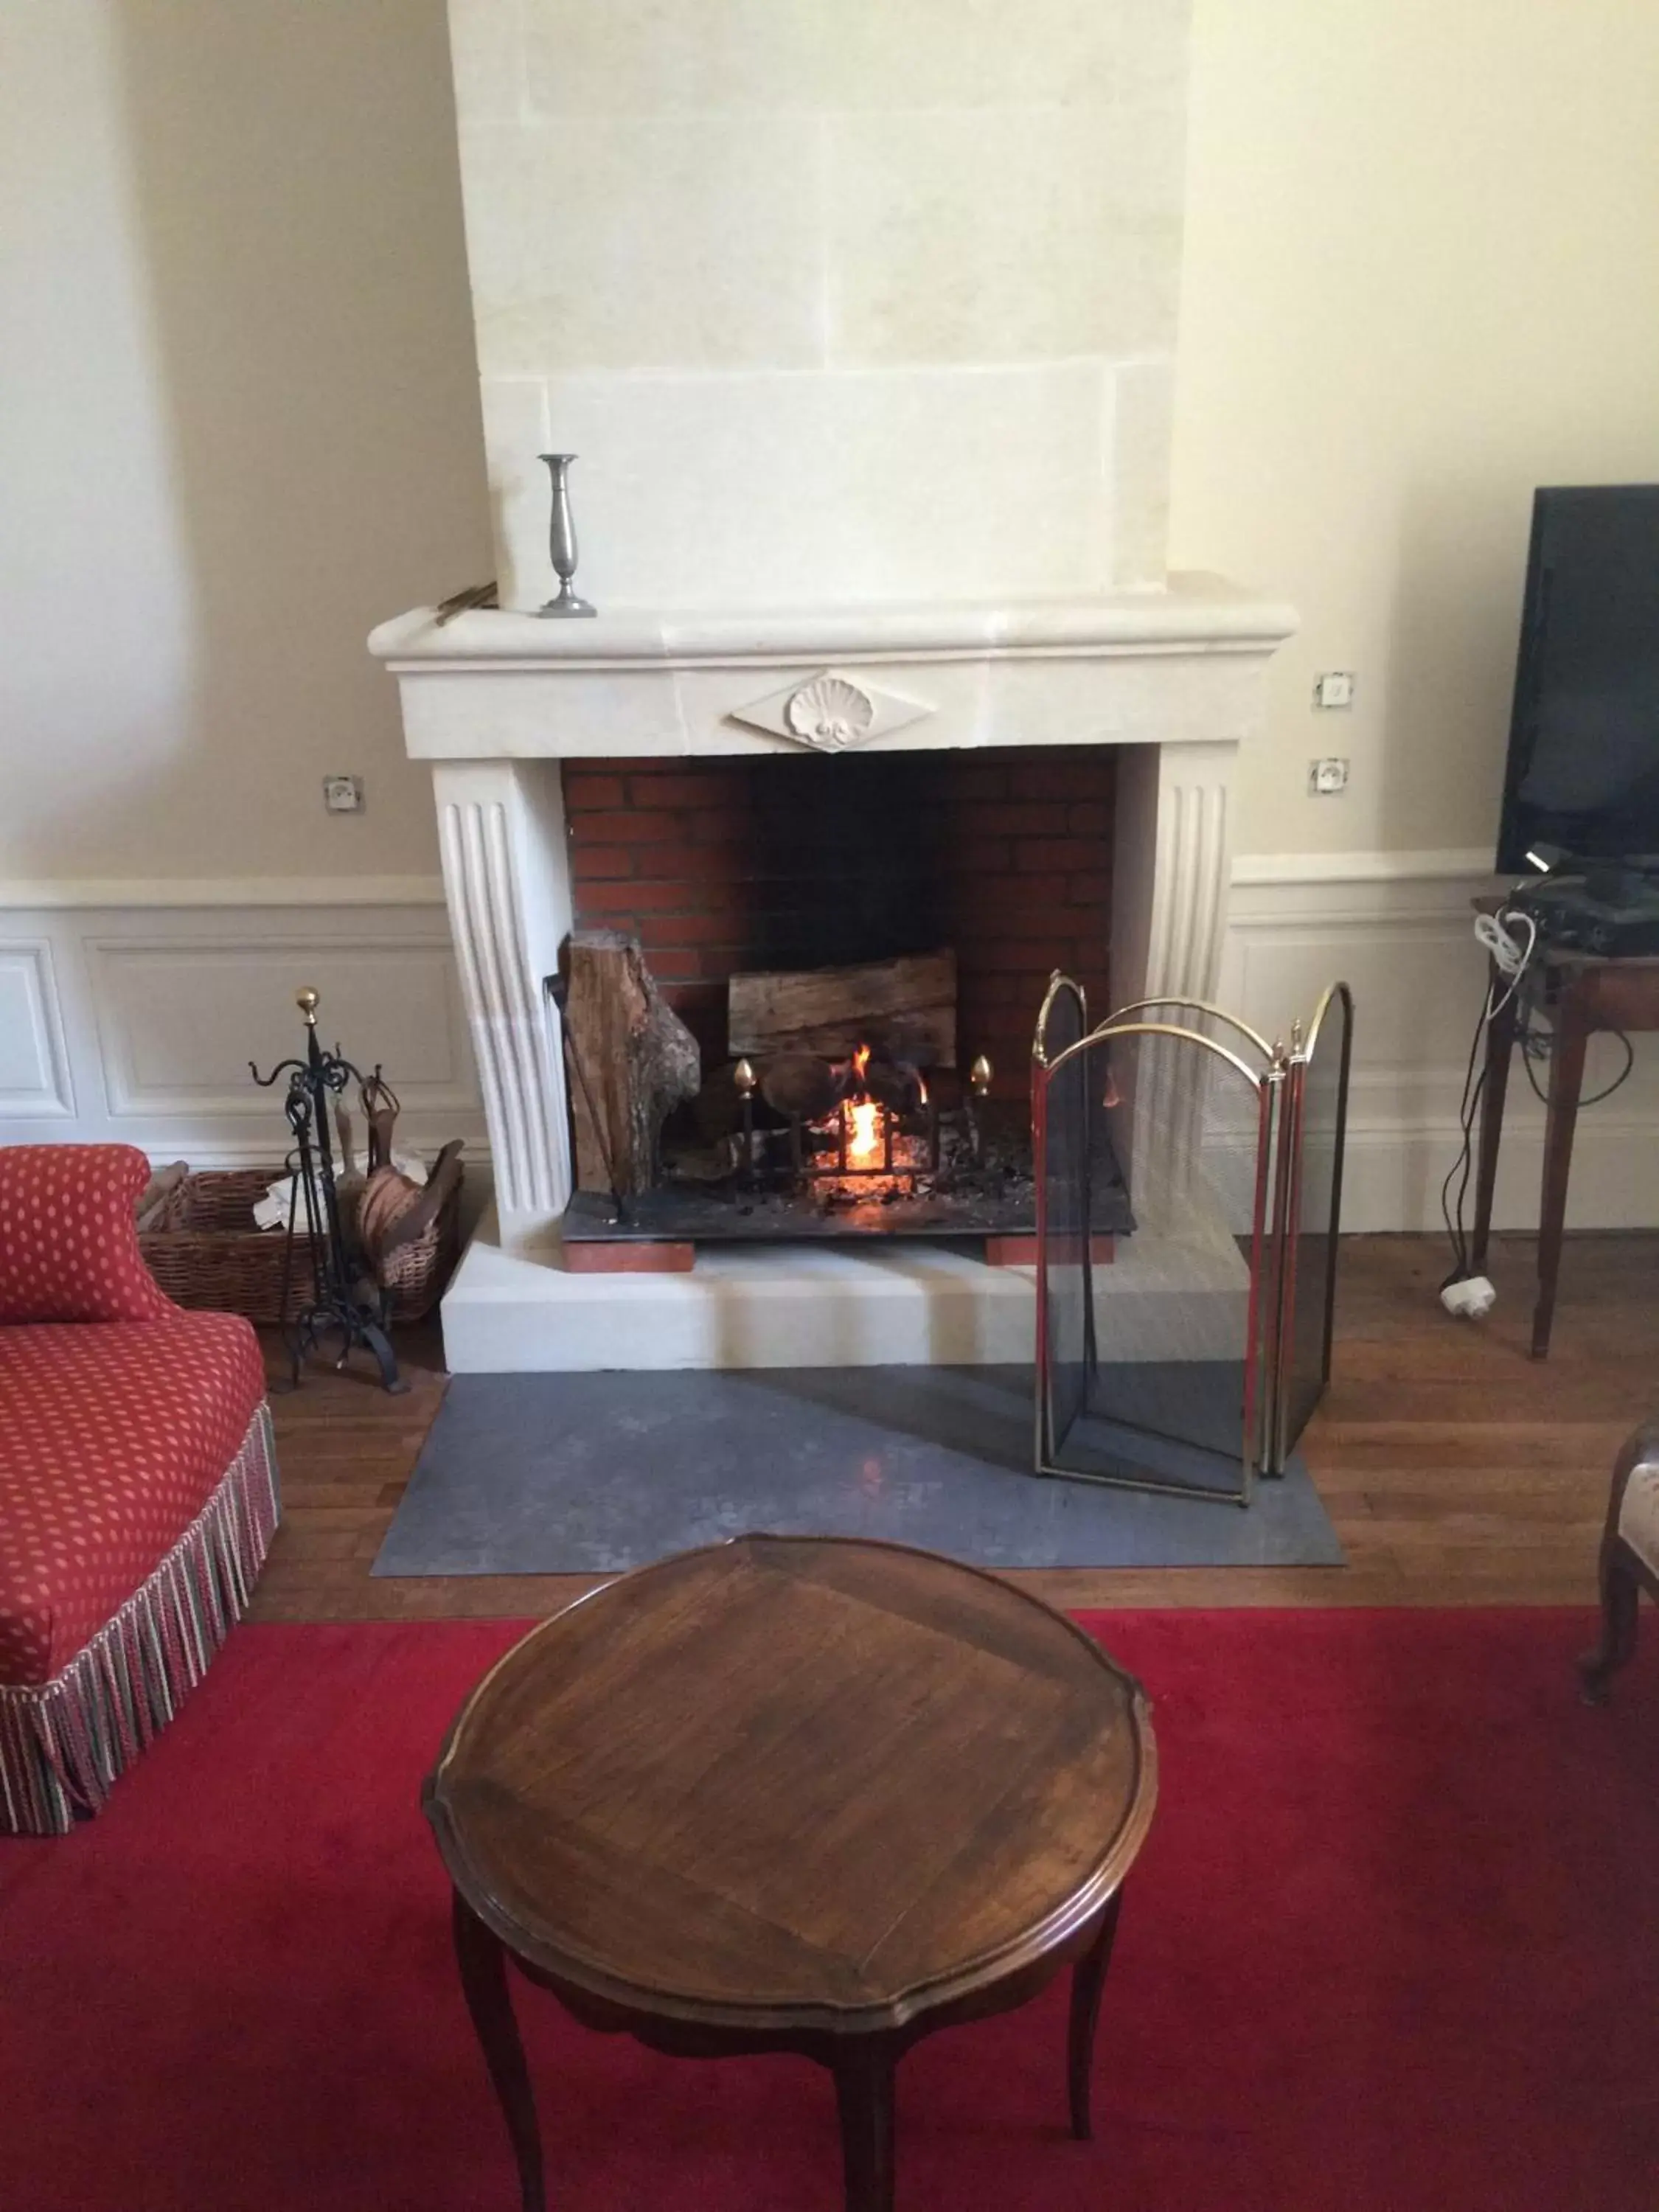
x=1314 y=1133
x=1061 y=1128
x=1185 y=1355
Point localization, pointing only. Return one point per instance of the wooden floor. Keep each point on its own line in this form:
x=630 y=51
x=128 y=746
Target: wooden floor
x=1457 y=1471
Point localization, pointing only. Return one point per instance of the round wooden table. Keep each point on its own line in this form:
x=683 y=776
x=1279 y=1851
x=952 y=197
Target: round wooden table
x=793 y=1794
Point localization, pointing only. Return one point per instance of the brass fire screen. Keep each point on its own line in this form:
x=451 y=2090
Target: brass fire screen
x=1186 y=1355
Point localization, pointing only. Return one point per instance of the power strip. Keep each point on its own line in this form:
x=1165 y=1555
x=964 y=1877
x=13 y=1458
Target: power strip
x=1471 y=1297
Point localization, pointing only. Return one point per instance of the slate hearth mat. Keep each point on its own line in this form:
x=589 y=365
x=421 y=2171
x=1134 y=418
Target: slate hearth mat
x=597 y=1472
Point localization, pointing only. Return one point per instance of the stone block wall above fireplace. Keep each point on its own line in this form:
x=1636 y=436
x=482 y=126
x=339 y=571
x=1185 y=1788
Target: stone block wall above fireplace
x=838 y=301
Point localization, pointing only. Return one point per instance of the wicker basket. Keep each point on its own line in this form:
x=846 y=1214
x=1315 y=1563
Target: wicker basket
x=208 y=1253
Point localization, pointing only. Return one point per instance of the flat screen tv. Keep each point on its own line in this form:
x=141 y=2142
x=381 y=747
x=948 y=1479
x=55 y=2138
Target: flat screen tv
x=1583 y=761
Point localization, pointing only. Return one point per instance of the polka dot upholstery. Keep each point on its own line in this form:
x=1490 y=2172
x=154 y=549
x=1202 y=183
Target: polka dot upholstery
x=112 y=1439
x=68 y=1242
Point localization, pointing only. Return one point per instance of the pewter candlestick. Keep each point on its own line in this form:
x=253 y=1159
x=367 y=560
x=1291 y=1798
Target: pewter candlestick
x=562 y=540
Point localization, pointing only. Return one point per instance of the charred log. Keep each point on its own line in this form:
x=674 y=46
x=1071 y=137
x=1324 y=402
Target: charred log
x=630 y=1057
x=903 y=1009
x=801 y=1083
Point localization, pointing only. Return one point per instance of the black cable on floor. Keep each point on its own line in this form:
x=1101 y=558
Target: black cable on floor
x=1536 y=1043
x=1462 y=1166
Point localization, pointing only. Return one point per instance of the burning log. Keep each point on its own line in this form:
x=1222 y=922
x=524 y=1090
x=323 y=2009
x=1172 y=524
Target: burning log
x=800 y=1083
x=896 y=1084
x=904 y=1009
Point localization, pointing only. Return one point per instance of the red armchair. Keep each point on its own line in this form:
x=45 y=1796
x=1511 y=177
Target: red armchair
x=137 y=1484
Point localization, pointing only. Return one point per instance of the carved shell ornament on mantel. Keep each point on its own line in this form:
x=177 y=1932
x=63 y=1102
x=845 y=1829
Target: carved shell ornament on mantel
x=831 y=712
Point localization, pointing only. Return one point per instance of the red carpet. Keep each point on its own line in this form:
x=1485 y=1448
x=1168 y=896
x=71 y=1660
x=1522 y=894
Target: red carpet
x=1394 y=1944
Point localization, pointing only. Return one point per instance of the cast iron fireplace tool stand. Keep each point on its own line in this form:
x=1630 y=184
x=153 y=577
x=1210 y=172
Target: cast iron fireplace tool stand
x=343 y=1302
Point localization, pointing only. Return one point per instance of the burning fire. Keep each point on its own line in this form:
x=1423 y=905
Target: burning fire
x=864 y=1147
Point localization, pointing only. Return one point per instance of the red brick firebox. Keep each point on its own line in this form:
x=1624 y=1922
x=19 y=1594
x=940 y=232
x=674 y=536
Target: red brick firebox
x=797 y=862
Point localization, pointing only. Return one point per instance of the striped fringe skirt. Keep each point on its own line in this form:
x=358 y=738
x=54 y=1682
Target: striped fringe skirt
x=64 y=1742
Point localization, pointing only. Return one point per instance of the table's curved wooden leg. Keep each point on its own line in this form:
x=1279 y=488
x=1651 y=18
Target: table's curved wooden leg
x=864 y=2091
x=1500 y=1051
x=483 y=1961
x=1566 y=1081
x=1088 y=1981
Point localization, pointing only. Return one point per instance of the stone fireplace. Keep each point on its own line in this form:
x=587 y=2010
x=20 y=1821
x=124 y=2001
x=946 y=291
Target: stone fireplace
x=1135 y=705
x=862 y=321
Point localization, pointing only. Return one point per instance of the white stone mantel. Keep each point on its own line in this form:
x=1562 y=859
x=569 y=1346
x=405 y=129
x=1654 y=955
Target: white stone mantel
x=1193 y=612
x=643 y=681
x=494 y=700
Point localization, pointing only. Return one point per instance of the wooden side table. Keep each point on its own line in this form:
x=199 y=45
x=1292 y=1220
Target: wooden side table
x=1582 y=994
x=796 y=1794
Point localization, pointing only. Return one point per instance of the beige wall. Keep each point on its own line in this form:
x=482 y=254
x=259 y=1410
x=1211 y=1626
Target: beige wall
x=1422 y=277
x=240 y=426
x=240 y=423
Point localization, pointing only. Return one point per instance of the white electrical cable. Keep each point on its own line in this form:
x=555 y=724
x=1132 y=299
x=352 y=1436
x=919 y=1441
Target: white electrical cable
x=1510 y=959
x=1467 y=1295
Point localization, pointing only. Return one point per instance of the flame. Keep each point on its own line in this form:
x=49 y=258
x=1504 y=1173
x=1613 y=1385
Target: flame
x=922 y=1091
x=863 y=1134
x=863 y=1145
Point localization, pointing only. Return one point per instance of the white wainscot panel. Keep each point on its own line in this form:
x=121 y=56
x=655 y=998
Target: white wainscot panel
x=134 y=1019
x=34 y=1076
x=1419 y=980
x=180 y=1019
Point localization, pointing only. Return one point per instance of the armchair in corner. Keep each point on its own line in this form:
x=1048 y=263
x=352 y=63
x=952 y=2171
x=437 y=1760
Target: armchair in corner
x=137 y=1484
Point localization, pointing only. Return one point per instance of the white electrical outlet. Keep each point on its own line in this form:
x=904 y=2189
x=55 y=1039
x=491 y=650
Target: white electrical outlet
x=343 y=794
x=1327 y=778
x=1334 y=689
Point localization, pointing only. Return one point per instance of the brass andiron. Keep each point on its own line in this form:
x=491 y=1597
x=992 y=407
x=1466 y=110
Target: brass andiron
x=980 y=1076
x=746 y=1082
x=562 y=541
